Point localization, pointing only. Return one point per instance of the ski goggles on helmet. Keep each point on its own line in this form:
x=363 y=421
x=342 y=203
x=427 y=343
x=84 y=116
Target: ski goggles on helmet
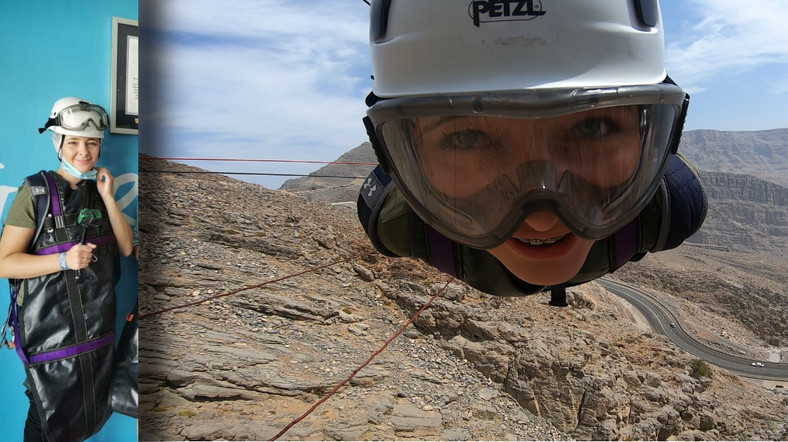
x=475 y=166
x=78 y=117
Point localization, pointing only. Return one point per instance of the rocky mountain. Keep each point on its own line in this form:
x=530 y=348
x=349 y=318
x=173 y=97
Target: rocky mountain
x=746 y=177
x=256 y=303
x=351 y=168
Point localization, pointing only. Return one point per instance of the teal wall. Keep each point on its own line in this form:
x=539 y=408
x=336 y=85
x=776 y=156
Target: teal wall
x=50 y=49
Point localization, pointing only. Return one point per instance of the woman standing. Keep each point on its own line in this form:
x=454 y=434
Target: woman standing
x=60 y=251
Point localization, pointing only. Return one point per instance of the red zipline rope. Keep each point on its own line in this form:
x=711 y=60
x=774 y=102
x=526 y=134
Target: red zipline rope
x=271 y=281
x=377 y=352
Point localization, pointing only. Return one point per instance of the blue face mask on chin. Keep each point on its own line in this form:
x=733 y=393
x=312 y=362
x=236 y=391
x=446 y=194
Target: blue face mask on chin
x=71 y=170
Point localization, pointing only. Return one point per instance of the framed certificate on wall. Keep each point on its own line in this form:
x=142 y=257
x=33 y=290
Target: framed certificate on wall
x=124 y=97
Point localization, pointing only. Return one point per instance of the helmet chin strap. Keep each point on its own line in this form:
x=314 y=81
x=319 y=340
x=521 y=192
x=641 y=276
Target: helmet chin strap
x=57 y=141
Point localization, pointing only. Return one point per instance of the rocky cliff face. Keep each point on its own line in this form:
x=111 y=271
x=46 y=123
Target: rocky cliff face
x=728 y=186
x=233 y=347
x=763 y=154
x=745 y=213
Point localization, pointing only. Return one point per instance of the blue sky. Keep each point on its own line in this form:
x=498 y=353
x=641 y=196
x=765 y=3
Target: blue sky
x=279 y=79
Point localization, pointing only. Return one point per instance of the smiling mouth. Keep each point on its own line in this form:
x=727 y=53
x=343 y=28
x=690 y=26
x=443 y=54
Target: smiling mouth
x=541 y=242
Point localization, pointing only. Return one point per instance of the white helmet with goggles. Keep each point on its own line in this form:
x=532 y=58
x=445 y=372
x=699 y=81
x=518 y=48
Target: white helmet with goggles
x=486 y=111
x=456 y=46
x=77 y=117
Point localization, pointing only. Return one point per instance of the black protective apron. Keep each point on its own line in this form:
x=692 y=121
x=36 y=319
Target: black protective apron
x=65 y=321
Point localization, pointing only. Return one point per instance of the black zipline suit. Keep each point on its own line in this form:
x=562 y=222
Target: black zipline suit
x=65 y=328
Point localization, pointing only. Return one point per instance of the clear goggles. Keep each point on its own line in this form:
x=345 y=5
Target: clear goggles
x=78 y=117
x=475 y=166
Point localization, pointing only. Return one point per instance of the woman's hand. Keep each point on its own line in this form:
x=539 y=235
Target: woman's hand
x=105 y=183
x=79 y=256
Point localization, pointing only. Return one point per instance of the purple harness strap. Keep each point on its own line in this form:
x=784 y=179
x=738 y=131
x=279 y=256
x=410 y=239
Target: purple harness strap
x=60 y=353
x=55 y=206
x=53 y=196
x=57 y=248
x=441 y=251
x=625 y=244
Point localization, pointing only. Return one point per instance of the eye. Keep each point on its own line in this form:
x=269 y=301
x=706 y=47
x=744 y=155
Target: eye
x=466 y=140
x=593 y=127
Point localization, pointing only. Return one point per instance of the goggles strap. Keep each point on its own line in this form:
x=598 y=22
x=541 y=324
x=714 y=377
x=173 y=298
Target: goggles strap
x=679 y=126
x=373 y=137
x=376 y=145
x=50 y=122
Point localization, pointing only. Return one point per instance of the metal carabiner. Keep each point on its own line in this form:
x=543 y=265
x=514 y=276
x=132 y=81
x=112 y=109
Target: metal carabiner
x=4 y=342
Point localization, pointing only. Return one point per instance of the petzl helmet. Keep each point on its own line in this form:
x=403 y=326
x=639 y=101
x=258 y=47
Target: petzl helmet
x=486 y=111
x=77 y=117
x=456 y=46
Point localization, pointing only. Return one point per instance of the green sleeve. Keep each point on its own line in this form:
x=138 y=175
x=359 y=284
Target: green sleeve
x=22 y=213
x=393 y=222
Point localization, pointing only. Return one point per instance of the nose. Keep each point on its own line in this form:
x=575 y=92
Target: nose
x=541 y=221
x=532 y=144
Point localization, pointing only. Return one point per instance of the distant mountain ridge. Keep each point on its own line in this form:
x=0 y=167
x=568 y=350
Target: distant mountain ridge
x=343 y=188
x=745 y=175
x=762 y=154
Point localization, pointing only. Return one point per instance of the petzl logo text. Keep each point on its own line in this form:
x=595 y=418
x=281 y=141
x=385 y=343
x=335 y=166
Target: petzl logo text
x=486 y=11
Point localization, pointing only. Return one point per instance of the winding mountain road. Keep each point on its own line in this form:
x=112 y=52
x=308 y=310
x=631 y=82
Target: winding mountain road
x=660 y=318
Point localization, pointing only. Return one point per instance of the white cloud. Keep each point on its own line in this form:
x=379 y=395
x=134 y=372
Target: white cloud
x=731 y=38
x=254 y=18
x=779 y=86
x=274 y=79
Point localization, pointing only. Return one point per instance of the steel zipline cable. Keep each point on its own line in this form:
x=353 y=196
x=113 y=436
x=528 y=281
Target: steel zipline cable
x=257 y=160
x=199 y=172
x=261 y=160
